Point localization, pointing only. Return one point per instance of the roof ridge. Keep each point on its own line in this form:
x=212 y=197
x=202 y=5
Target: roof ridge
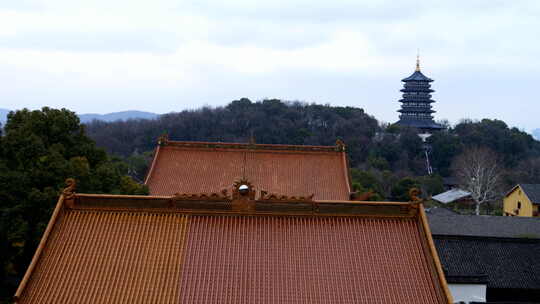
x=223 y=203
x=339 y=147
x=151 y=170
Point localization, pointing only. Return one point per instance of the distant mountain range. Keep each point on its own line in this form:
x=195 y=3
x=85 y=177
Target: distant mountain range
x=3 y=114
x=536 y=134
x=124 y=115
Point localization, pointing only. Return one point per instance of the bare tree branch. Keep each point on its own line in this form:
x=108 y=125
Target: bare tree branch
x=478 y=172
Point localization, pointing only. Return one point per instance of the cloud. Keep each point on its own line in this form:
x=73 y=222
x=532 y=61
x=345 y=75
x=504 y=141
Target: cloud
x=168 y=54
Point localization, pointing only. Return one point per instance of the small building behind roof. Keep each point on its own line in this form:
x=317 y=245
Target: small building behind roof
x=452 y=196
x=522 y=200
x=292 y=170
x=235 y=246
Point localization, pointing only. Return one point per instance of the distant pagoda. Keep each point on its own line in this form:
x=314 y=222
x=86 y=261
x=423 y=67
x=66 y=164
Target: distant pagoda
x=416 y=103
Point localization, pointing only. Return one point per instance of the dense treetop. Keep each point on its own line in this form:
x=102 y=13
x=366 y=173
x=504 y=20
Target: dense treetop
x=38 y=151
x=269 y=121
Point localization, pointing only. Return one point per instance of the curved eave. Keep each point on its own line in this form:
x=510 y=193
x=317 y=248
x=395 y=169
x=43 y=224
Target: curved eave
x=417 y=76
x=415 y=110
x=420 y=124
x=416 y=100
x=426 y=90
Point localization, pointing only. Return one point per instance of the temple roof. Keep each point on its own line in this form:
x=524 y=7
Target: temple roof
x=180 y=167
x=212 y=249
x=417 y=76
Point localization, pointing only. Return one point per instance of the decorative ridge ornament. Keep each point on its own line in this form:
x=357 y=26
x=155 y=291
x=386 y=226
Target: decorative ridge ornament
x=340 y=145
x=414 y=194
x=272 y=197
x=163 y=140
x=243 y=189
x=69 y=192
x=243 y=196
x=222 y=196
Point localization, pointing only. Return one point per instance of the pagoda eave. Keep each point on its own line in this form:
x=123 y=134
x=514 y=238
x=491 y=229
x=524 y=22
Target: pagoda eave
x=423 y=90
x=409 y=110
x=417 y=76
x=416 y=101
x=427 y=125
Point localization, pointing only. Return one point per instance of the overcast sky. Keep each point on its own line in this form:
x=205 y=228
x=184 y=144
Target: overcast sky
x=105 y=56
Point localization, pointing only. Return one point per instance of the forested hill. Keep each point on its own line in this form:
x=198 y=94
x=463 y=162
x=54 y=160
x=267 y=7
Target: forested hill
x=370 y=146
x=269 y=121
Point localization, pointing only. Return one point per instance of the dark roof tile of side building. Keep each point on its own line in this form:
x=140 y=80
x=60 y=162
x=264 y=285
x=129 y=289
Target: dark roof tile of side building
x=484 y=225
x=217 y=249
x=500 y=262
x=440 y=211
x=180 y=167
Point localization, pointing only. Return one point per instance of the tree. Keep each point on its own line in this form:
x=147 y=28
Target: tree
x=478 y=172
x=38 y=151
x=401 y=190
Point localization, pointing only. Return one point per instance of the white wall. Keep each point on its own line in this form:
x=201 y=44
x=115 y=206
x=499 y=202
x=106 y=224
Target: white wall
x=468 y=292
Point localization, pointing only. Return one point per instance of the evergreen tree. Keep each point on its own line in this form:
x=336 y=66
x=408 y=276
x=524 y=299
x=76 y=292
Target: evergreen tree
x=39 y=150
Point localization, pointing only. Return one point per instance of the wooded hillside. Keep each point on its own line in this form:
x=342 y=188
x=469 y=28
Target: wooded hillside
x=372 y=147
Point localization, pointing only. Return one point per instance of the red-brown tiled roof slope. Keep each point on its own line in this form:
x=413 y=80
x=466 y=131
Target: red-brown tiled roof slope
x=126 y=249
x=287 y=170
x=278 y=259
x=110 y=257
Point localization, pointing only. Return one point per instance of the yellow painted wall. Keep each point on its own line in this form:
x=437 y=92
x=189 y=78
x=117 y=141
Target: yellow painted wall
x=511 y=203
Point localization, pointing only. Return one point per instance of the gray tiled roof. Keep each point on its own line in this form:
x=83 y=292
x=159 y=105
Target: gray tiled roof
x=503 y=251
x=484 y=225
x=504 y=263
x=532 y=191
x=440 y=211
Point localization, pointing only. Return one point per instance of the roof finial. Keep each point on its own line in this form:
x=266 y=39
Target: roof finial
x=418 y=60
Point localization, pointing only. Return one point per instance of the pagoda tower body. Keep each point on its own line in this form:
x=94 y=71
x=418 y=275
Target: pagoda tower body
x=416 y=110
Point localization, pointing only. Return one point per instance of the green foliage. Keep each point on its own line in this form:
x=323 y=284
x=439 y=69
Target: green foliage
x=270 y=121
x=431 y=185
x=365 y=181
x=400 y=192
x=369 y=146
x=38 y=151
x=445 y=147
x=388 y=186
x=512 y=144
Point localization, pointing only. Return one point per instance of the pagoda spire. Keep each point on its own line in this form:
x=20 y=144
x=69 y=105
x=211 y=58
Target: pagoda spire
x=418 y=61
